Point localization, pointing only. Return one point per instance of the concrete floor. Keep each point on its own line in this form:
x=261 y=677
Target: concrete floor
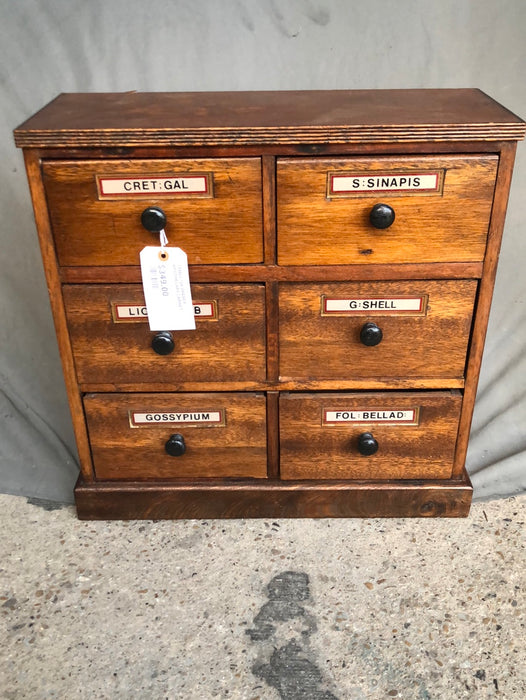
x=291 y=609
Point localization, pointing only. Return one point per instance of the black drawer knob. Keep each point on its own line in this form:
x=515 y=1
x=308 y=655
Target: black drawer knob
x=371 y=334
x=163 y=343
x=382 y=216
x=367 y=445
x=153 y=219
x=175 y=445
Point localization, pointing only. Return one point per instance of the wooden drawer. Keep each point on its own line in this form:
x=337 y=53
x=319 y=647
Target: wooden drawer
x=321 y=224
x=92 y=227
x=321 y=327
x=224 y=435
x=321 y=435
x=112 y=347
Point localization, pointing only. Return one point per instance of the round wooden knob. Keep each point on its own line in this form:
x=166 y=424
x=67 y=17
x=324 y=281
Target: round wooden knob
x=163 y=343
x=153 y=219
x=382 y=216
x=371 y=334
x=367 y=445
x=175 y=445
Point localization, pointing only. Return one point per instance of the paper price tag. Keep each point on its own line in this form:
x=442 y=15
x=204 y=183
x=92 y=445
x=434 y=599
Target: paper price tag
x=166 y=285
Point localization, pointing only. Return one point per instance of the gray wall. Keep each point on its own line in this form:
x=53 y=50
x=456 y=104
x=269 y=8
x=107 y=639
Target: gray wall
x=53 y=46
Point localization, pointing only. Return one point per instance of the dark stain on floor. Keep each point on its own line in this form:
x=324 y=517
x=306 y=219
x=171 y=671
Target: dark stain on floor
x=290 y=667
x=45 y=504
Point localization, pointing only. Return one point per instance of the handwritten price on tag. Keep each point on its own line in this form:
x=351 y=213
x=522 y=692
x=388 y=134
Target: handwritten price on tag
x=166 y=285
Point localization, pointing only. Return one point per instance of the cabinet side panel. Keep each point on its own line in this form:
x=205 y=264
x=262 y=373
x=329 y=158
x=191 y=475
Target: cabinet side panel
x=49 y=259
x=487 y=283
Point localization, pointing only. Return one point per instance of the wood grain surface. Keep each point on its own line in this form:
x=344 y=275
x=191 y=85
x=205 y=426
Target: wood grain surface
x=310 y=449
x=275 y=273
x=226 y=228
x=313 y=346
x=49 y=259
x=484 y=299
x=273 y=499
x=259 y=117
x=236 y=449
x=452 y=227
x=229 y=348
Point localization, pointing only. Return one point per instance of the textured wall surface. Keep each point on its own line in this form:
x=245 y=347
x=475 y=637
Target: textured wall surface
x=71 y=46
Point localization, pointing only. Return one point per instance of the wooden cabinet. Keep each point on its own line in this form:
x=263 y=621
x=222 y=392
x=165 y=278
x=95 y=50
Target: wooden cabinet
x=342 y=249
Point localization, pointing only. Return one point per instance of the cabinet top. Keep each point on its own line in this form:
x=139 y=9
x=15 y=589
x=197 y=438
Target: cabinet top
x=252 y=118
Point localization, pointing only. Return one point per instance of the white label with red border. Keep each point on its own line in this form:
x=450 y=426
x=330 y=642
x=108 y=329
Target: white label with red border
x=338 y=306
x=129 y=313
x=185 y=185
x=138 y=418
x=349 y=184
x=406 y=416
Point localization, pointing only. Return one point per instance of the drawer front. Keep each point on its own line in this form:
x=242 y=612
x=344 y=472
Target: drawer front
x=100 y=224
x=323 y=436
x=424 y=325
x=326 y=221
x=177 y=436
x=112 y=342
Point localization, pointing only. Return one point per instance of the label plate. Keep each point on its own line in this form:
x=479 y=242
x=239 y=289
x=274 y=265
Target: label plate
x=343 y=184
x=343 y=416
x=133 y=313
x=377 y=306
x=212 y=418
x=180 y=185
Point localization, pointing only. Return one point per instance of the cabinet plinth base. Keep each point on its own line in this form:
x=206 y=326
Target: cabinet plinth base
x=272 y=499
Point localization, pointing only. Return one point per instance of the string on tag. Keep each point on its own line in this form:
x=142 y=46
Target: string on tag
x=163 y=239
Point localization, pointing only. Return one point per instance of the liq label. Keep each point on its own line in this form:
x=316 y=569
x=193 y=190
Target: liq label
x=379 y=306
x=132 y=313
x=342 y=416
x=197 y=417
x=146 y=186
x=358 y=184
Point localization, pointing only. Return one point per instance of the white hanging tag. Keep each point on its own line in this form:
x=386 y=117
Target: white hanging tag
x=166 y=285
